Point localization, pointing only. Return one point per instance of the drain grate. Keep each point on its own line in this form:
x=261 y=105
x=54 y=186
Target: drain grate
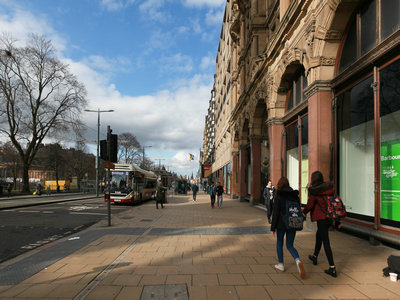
x=165 y=292
x=146 y=220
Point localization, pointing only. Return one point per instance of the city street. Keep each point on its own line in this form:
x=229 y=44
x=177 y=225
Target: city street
x=26 y=228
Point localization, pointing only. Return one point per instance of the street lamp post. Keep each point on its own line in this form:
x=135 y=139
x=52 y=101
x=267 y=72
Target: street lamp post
x=143 y=154
x=98 y=142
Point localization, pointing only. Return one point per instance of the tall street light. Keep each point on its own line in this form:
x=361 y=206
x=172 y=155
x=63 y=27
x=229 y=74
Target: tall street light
x=143 y=154
x=98 y=142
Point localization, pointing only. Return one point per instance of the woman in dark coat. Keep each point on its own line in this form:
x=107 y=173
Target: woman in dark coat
x=316 y=205
x=284 y=192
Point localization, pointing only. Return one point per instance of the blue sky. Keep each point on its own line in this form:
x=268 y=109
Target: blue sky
x=152 y=61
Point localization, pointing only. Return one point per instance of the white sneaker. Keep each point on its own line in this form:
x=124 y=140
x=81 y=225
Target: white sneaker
x=280 y=267
x=300 y=268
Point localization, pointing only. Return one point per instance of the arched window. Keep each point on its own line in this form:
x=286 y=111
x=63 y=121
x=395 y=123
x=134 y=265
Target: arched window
x=369 y=28
x=296 y=93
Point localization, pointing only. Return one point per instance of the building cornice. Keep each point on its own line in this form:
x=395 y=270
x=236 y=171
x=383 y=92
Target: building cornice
x=318 y=86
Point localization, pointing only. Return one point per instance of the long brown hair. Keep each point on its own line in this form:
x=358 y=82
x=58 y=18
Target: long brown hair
x=317 y=178
x=282 y=182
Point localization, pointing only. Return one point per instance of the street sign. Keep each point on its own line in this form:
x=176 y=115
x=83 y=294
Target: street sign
x=109 y=165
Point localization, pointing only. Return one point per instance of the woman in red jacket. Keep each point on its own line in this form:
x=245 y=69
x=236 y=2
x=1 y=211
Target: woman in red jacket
x=316 y=205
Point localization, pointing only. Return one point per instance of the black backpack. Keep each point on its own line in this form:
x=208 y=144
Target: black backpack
x=293 y=218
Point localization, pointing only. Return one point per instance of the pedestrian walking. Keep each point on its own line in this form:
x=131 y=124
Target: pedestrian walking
x=220 y=191
x=195 y=188
x=160 y=194
x=212 y=193
x=317 y=190
x=9 y=189
x=48 y=190
x=268 y=194
x=285 y=193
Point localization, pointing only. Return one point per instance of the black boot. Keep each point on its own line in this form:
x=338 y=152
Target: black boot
x=314 y=259
x=331 y=271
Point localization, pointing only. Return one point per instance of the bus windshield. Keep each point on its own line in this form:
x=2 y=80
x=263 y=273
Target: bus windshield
x=121 y=181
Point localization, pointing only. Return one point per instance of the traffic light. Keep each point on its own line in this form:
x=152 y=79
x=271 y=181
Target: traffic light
x=112 y=142
x=113 y=157
x=103 y=150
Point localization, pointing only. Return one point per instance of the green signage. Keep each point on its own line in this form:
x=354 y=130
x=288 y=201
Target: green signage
x=390 y=180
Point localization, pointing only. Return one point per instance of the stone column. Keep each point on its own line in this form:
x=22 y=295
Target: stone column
x=255 y=144
x=242 y=172
x=235 y=175
x=275 y=131
x=319 y=127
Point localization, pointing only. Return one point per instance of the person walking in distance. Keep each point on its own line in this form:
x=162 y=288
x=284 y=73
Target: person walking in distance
x=285 y=193
x=269 y=199
x=220 y=191
x=9 y=189
x=160 y=194
x=195 y=188
x=317 y=190
x=212 y=192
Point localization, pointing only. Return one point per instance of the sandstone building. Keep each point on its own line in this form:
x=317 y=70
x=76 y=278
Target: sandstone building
x=308 y=85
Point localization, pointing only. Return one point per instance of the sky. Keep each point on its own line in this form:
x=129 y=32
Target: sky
x=151 y=61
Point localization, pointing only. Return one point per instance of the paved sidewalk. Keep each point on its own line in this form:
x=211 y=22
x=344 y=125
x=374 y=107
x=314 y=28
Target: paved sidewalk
x=189 y=251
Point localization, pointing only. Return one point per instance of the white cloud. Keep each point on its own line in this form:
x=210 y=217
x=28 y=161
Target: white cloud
x=207 y=62
x=114 y=5
x=153 y=9
x=22 y=23
x=214 y=17
x=176 y=63
x=201 y=3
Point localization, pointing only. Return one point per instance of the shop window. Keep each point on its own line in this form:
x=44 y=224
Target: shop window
x=296 y=93
x=292 y=154
x=390 y=17
x=296 y=168
x=304 y=159
x=356 y=148
x=390 y=142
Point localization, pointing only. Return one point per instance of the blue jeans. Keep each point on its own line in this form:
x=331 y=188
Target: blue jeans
x=290 y=235
x=219 y=201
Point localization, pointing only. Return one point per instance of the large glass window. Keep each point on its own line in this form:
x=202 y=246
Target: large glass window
x=296 y=92
x=304 y=159
x=292 y=155
x=356 y=148
x=349 y=52
x=390 y=17
x=362 y=34
x=390 y=142
x=297 y=169
x=368 y=26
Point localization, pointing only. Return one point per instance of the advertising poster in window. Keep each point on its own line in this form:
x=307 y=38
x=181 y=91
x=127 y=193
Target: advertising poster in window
x=390 y=180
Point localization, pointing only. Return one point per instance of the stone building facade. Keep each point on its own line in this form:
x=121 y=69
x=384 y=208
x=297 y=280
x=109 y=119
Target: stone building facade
x=310 y=85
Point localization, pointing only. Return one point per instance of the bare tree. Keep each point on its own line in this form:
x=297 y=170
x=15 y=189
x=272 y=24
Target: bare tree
x=129 y=148
x=38 y=96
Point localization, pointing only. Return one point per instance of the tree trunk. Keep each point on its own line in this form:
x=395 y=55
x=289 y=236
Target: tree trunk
x=25 y=177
